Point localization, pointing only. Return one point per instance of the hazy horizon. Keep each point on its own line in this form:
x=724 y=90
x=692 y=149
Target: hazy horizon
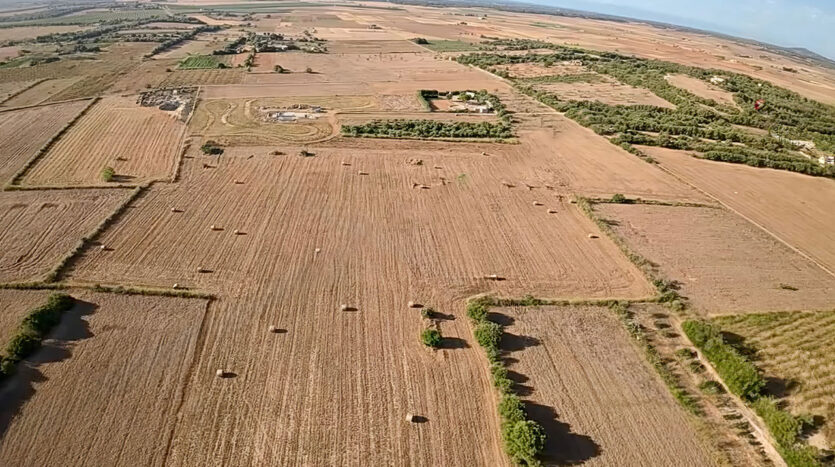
x=799 y=23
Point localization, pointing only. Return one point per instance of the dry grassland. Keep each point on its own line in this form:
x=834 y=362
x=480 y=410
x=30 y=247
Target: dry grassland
x=40 y=227
x=611 y=93
x=701 y=88
x=536 y=70
x=111 y=354
x=373 y=47
x=140 y=143
x=30 y=32
x=795 y=352
x=794 y=207
x=12 y=87
x=724 y=264
x=585 y=382
x=40 y=92
x=24 y=132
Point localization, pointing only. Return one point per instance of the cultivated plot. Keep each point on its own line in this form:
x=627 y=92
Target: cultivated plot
x=792 y=206
x=40 y=92
x=139 y=143
x=795 y=352
x=723 y=263
x=598 y=400
x=43 y=226
x=103 y=358
x=24 y=132
x=14 y=306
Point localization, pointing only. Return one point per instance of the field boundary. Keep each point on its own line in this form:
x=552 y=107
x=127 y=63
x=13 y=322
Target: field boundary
x=67 y=260
x=185 y=145
x=18 y=176
x=21 y=91
x=118 y=289
x=755 y=223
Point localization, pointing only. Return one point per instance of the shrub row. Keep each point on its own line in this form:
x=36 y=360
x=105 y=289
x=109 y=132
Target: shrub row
x=745 y=379
x=400 y=128
x=32 y=330
x=523 y=439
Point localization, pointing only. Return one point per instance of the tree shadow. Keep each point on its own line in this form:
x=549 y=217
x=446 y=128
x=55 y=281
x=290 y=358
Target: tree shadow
x=562 y=447
x=780 y=387
x=453 y=343
x=738 y=342
x=20 y=386
x=122 y=178
x=513 y=343
x=500 y=318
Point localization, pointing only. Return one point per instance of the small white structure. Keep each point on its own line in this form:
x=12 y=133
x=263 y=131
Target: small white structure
x=826 y=160
x=717 y=80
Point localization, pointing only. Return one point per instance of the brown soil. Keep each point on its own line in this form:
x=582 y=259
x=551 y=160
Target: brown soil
x=41 y=227
x=724 y=264
x=793 y=207
x=40 y=92
x=597 y=398
x=111 y=354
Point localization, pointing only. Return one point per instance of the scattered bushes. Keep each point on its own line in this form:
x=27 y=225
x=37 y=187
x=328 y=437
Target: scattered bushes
x=619 y=199
x=211 y=148
x=107 y=174
x=488 y=334
x=431 y=338
x=34 y=327
x=420 y=41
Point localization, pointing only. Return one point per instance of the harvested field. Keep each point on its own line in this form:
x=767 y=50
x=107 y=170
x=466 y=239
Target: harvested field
x=13 y=87
x=40 y=92
x=599 y=401
x=456 y=254
x=247 y=121
x=24 y=132
x=723 y=263
x=111 y=349
x=445 y=235
x=795 y=352
x=10 y=52
x=40 y=227
x=140 y=143
x=792 y=206
x=203 y=77
x=14 y=306
x=31 y=32
x=611 y=93
x=702 y=88
x=373 y=47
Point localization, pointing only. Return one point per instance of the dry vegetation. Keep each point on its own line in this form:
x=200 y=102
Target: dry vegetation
x=723 y=263
x=111 y=349
x=140 y=143
x=795 y=352
x=302 y=250
x=602 y=403
x=41 y=227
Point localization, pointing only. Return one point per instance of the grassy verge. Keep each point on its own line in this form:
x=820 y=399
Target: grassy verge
x=32 y=330
x=744 y=379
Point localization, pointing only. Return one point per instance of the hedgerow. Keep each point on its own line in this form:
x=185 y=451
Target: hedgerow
x=32 y=330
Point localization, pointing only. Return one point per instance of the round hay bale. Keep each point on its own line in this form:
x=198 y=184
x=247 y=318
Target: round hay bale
x=552 y=211
x=273 y=329
x=317 y=250
x=537 y=203
x=173 y=209
x=220 y=373
x=410 y=304
x=410 y=418
x=102 y=247
x=361 y=172
x=344 y=307
x=176 y=286
x=592 y=236
x=346 y=163
x=236 y=232
x=212 y=227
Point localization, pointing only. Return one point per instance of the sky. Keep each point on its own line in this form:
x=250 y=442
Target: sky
x=789 y=23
